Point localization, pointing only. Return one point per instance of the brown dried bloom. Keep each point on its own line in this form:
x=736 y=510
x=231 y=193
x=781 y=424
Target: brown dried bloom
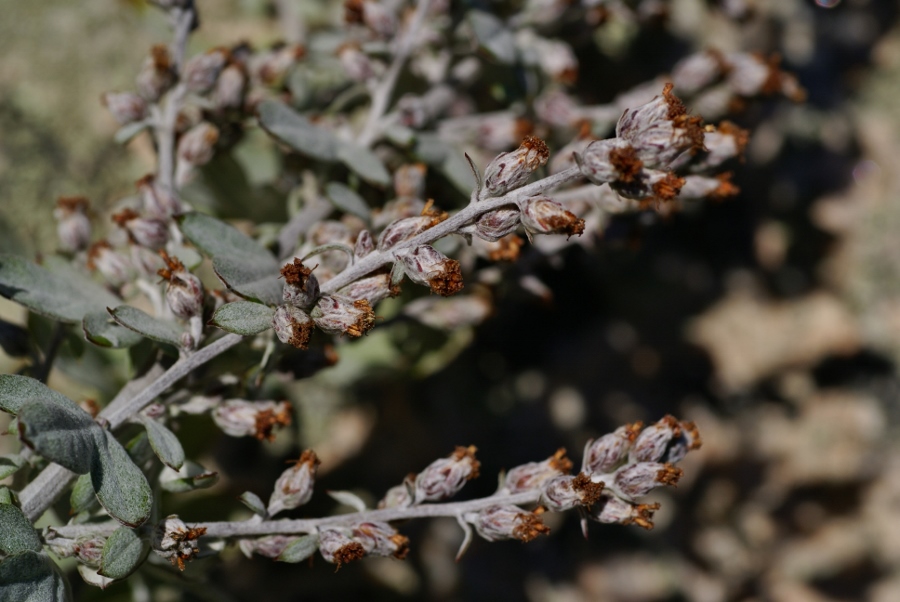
x=427 y=266
x=509 y=522
x=542 y=215
x=534 y=474
x=173 y=540
x=509 y=171
x=338 y=315
x=445 y=477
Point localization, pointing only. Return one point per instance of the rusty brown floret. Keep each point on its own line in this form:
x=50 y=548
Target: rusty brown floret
x=94 y=252
x=353 y=11
x=633 y=430
x=267 y=420
x=530 y=525
x=173 y=265
x=366 y=320
x=429 y=210
x=348 y=553
x=307 y=457
x=448 y=280
x=642 y=515
x=626 y=163
x=296 y=273
x=568 y=224
x=725 y=188
x=73 y=203
x=740 y=135
x=301 y=332
x=590 y=492
x=124 y=216
x=402 y=543
x=161 y=59
x=668 y=188
x=560 y=462
x=694 y=432
x=460 y=453
x=507 y=248
x=669 y=475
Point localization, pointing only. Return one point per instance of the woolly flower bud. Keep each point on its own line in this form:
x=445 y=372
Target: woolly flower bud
x=364 y=244
x=173 y=540
x=612 y=160
x=637 y=480
x=508 y=522
x=612 y=510
x=157 y=75
x=541 y=215
x=404 y=229
x=653 y=442
x=703 y=187
x=301 y=287
x=338 y=315
x=445 y=477
x=126 y=107
x=146 y=232
x=409 y=180
x=295 y=485
x=230 y=88
x=337 y=546
x=184 y=292
x=532 y=475
x=399 y=496
x=240 y=418
x=73 y=227
x=270 y=546
x=380 y=539
x=89 y=550
x=605 y=454
x=566 y=492
x=427 y=266
x=157 y=202
x=113 y=265
x=661 y=130
x=197 y=145
x=372 y=289
x=509 y=171
x=494 y=225
x=292 y=326
x=201 y=71
x=725 y=142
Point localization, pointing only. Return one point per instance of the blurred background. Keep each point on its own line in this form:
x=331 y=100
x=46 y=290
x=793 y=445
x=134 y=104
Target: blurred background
x=771 y=319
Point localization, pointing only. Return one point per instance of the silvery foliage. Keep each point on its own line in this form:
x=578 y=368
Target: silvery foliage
x=321 y=278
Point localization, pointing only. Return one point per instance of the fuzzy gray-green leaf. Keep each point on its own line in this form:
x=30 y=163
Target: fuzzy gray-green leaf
x=83 y=498
x=243 y=317
x=191 y=476
x=120 y=485
x=32 y=577
x=16 y=390
x=364 y=163
x=165 y=444
x=347 y=200
x=123 y=552
x=10 y=464
x=146 y=325
x=252 y=501
x=59 y=433
x=247 y=279
x=100 y=329
x=16 y=533
x=53 y=294
x=493 y=36
x=300 y=550
x=297 y=131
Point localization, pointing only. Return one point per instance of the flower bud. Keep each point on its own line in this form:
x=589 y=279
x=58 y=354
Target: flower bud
x=292 y=326
x=356 y=63
x=445 y=477
x=381 y=539
x=230 y=88
x=508 y=522
x=270 y=546
x=566 y=492
x=509 y=171
x=146 y=232
x=404 y=229
x=652 y=443
x=172 y=539
x=725 y=142
x=337 y=546
x=397 y=209
x=301 y=287
x=372 y=289
x=427 y=266
x=494 y=225
x=295 y=485
x=73 y=227
x=126 y=107
x=697 y=71
x=184 y=292
x=115 y=268
x=197 y=145
x=157 y=74
x=612 y=160
x=609 y=451
x=157 y=202
x=541 y=215
x=338 y=315
x=364 y=244
x=409 y=180
x=612 y=510
x=89 y=550
x=533 y=475
x=399 y=496
x=239 y=418
x=704 y=187
x=201 y=71
x=637 y=480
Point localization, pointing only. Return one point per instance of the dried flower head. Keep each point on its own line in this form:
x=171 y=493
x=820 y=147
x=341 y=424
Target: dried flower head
x=295 y=485
x=125 y=107
x=301 y=287
x=114 y=266
x=201 y=71
x=607 y=453
x=157 y=74
x=445 y=477
x=173 y=540
x=508 y=522
x=293 y=326
x=534 y=474
x=240 y=418
x=509 y=171
x=494 y=225
x=542 y=215
x=566 y=492
x=339 y=315
x=184 y=292
x=73 y=225
x=427 y=266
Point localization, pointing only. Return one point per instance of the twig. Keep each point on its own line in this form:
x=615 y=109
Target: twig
x=165 y=127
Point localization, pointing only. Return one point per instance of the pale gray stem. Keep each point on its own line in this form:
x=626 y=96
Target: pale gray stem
x=466 y=216
x=382 y=94
x=309 y=525
x=53 y=480
x=165 y=126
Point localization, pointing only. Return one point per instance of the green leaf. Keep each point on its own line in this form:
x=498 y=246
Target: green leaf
x=493 y=36
x=32 y=577
x=120 y=485
x=129 y=131
x=146 y=325
x=100 y=329
x=10 y=464
x=63 y=297
x=83 y=498
x=347 y=200
x=122 y=553
x=16 y=390
x=364 y=163
x=252 y=501
x=6 y=496
x=191 y=476
x=300 y=550
x=243 y=317
x=59 y=433
x=297 y=131
x=164 y=443
x=16 y=533
x=244 y=265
